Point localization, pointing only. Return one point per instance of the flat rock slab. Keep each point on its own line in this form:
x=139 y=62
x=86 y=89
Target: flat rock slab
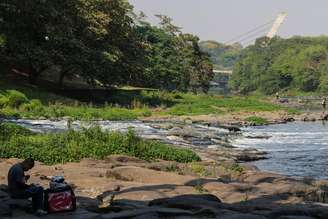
x=152 y=212
x=243 y=216
x=79 y=214
x=295 y=217
x=143 y=175
x=188 y=202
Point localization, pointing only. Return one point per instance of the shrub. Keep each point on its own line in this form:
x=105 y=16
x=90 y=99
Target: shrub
x=257 y=120
x=15 y=98
x=9 y=112
x=33 y=105
x=3 y=101
x=9 y=130
x=94 y=143
x=199 y=169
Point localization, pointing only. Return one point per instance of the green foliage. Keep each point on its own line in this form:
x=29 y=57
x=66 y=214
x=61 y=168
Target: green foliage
x=84 y=112
x=12 y=98
x=122 y=105
x=298 y=63
x=94 y=39
x=257 y=120
x=199 y=169
x=94 y=143
x=15 y=104
x=205 y=104
x=235 y=167
x=222 y=56
x=10 y=130
x=33 y=106
x=174 y=59
x=15 y=98
x=102 y=42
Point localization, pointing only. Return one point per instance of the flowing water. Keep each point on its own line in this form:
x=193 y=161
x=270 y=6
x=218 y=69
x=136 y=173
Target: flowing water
x=296 y=149
x=194 y=135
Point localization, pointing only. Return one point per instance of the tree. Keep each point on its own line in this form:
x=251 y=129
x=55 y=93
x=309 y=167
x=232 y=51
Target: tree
x=296 y=63
x=175 y=61
x=94 y=39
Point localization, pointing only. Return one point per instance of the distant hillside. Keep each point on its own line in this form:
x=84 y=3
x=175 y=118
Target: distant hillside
x=222 y=56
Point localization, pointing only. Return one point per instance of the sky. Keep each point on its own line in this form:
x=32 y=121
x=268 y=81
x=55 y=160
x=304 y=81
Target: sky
x=223 y=20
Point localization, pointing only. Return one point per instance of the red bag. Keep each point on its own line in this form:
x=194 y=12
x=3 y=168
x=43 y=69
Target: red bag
x=60 y=200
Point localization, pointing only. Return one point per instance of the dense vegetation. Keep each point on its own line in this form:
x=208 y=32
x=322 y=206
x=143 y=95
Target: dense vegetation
x=94 y=143
x=255 y=120
x=15 y=104
x=102 y=42
x=205 y=104
x=222 y=56
x=27 y=102
x=298 y=64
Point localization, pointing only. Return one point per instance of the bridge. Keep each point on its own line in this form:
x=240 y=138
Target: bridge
x=228 y=72
x=219 y=84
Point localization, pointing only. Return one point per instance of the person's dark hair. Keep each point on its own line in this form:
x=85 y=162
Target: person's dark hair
x=28 y=163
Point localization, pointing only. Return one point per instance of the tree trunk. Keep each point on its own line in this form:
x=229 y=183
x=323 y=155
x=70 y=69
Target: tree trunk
x=35 y=73
x=61 y=79
x=33 y=76
x=62 y=75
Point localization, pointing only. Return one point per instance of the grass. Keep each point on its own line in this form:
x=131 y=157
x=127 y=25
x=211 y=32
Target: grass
x=82 y=112
x=32 y=92
x=23 y=101
x=199 y=169
x=257 y=120
x=209 y=104
x=72 y=146
x=16 y=104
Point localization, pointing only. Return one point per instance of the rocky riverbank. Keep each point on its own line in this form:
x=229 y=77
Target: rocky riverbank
x=172 y=190
x=240 y=118
x=221 y=186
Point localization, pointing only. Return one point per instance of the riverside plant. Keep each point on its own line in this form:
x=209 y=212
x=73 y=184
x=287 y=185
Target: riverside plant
x=257 y=120
x=72 y=146
x=15 y=104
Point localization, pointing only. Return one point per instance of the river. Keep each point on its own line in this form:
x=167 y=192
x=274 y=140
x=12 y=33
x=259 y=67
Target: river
x=295 y=149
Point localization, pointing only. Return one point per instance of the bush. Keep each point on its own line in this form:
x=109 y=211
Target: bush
x=9 y=130
x=257 y=120
x=3 y=101
x=94 y=143
x=15 y=98
x=33 y=105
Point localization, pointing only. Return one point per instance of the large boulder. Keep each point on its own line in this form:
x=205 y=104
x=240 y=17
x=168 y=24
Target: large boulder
x=8 y=203
x=5 y=210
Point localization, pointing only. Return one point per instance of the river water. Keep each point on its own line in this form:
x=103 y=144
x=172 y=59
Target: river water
x=296 y=149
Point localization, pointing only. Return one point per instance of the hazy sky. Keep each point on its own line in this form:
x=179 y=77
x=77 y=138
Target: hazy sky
x=223 y=20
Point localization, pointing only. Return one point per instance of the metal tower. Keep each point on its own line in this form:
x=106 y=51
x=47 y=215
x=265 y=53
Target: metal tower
x=276 y=25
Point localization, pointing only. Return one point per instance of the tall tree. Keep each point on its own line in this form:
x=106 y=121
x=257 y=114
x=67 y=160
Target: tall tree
x=95 y=39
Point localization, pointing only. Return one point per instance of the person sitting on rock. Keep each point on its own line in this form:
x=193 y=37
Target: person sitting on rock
x=277 y=96
x=18 y=188
x=323 y=103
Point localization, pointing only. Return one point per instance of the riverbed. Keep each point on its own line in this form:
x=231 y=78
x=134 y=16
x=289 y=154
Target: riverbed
x=295 y=149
